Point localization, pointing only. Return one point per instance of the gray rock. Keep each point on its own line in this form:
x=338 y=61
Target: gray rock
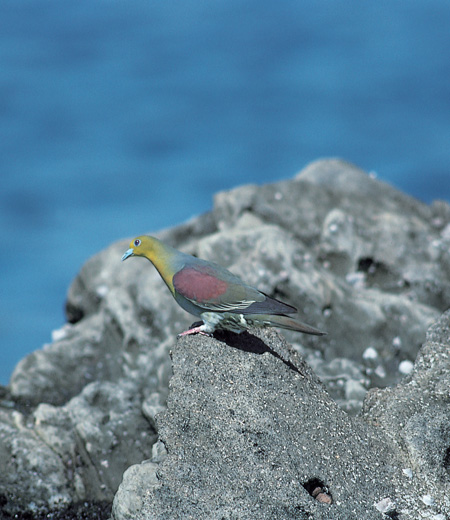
x=131 y=495
x=358 y=258
x=250 y=435
x=61 y=455
x=415 y=416
x=33 y=475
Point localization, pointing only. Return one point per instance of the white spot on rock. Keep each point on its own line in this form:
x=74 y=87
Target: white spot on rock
x=380 y=371
x=408 y=472
x=397 y=342
x=428 y=500
x=405 y=367
x=333 y=227
x=59 y=334
x=370 y=353
x=357 y=280
x=385 y=505
x=102 y=291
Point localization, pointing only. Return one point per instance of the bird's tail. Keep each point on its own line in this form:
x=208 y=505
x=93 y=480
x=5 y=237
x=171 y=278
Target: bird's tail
x=285 y=322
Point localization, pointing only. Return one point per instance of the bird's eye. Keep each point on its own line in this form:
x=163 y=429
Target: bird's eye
x=137 y=242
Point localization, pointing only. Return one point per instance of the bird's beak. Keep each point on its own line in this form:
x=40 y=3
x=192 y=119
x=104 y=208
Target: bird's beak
x=128 y=253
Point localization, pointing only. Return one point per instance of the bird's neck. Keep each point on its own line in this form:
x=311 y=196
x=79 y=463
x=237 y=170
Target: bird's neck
x=162 y=257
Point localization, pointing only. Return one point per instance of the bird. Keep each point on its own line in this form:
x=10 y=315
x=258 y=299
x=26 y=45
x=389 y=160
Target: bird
x=208 y=290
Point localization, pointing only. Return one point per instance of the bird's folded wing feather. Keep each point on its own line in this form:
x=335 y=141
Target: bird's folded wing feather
x=221 y=291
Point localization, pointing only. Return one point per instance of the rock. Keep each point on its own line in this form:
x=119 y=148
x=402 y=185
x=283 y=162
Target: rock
x=132 y=493
x=415 y=415
x=249 y=435
x=359 y=259
x=57 y=456
x=33 y=475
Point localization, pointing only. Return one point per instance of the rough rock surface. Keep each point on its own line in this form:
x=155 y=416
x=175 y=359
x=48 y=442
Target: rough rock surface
x=249 y=432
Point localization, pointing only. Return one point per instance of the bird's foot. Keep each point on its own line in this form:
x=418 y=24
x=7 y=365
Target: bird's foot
x=194 y=330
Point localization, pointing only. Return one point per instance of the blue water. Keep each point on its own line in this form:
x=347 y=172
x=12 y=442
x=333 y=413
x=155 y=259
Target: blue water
x=122 y=117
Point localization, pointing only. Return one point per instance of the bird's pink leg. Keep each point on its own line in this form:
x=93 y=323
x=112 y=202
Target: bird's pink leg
x=194 y=330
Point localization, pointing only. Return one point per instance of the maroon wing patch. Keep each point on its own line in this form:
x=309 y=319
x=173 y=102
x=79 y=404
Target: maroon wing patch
x=198 y=286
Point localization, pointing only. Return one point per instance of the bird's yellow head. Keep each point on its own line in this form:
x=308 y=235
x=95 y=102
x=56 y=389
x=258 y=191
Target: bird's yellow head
x=159 y=254
x=139 y=246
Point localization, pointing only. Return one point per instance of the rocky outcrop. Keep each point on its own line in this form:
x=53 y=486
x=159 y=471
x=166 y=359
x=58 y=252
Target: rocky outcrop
x=250 y=428
x=253 y=434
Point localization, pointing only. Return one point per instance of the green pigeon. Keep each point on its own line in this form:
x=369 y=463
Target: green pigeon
x=208 y=290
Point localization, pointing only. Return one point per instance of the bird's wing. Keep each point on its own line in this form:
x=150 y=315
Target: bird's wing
x=214 y=288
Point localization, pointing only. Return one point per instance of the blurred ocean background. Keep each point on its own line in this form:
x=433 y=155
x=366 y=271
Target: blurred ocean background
x=123 y=117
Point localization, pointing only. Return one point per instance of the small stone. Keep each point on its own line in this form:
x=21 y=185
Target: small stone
x=316 y=491
x=380 y=371
x=428 y=500
x=370 y=353
x=397 y=342
x=405 y=367
x=323 y=498
x=385 y=505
